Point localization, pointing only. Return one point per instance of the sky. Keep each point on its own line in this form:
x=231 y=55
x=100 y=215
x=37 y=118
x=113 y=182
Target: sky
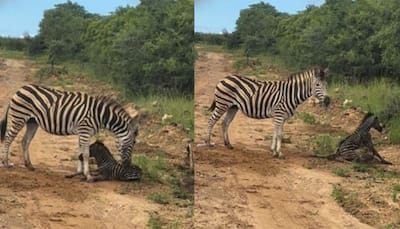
x=19 y=17
x=213 y=16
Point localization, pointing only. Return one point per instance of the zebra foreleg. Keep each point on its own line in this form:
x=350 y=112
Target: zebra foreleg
x=31 y=128
x=277 y=140
x=225 y=125
x=373 y=150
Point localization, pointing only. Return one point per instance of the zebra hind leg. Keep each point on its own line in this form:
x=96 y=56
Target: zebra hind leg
x=218 y=112
x=31 y=128
x=230 y=114
x=17 y=125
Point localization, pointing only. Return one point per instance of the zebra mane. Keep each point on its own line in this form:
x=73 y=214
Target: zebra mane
x=366 y=116
x=316 y=71
x=107 y=100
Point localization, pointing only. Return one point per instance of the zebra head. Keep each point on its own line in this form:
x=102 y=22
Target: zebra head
x=126 y=141
x=319 y=87
x=372 y=122
x=130 y=173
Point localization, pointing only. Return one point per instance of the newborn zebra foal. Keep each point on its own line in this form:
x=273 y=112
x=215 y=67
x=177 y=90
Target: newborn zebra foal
x=108 y=168
x=358 y=146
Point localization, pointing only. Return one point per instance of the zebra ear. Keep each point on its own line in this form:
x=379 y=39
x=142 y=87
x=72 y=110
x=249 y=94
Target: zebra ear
x=326 y=70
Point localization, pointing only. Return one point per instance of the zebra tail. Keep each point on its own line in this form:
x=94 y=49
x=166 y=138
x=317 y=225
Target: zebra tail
x=3 y=125
x=212 y=107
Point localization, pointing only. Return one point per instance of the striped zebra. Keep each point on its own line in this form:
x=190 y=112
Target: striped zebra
x=65 y=113
x=360 y=139
x=265 y=99
x=107 y=167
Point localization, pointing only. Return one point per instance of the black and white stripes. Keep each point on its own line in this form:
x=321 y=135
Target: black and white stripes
x=265 y=99
x=347 y=149
x=65 y=113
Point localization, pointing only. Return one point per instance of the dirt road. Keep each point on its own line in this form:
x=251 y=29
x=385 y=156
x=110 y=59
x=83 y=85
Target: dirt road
x=45 y=199
x=246 y=187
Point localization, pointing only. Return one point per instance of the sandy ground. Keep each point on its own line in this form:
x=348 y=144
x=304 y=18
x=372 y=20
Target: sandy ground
x=246 y=187
x=45 y=199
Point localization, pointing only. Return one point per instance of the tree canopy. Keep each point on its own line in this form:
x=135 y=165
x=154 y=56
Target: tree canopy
x=354 y=38
x=146 y=49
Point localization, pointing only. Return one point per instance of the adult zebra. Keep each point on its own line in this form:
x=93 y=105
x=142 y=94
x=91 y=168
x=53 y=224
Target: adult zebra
x=265 y=99
x=65 y=113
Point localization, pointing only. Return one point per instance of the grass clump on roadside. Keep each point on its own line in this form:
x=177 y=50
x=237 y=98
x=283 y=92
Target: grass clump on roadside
x=154 y=168
x=160 y=198
x=379 y=96
x=307 y=118
x=346 y=199
x=396 y=190
x=325 y=145
x=177 y=109
x=342 y=172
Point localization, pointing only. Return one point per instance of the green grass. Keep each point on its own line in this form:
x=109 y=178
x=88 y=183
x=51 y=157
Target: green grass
x=154 y=168
x=372 y=96
x=324 y=145
x=181 y=109
x=396 y=190
x=379 y=96
x=394 y=133
x=342 y=172
x=348 y=200
x=160 y=198
x=361 y=167
x=155 y=222
x=307 y=118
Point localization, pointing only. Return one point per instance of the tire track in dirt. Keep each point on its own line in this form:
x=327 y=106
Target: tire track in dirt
x=246 y=187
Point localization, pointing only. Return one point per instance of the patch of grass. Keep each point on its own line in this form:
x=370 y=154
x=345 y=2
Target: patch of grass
x=381 y=174
x=394 y=131
x=348 y=200
x=181 y=109
x=155 y=222
x=307 y=118
x=380 y=96
x=342 y=172
x=392 y=226
x=180 y=189
x=325 y=145
x=396 y=190
x=360 y=167
x=154 y=168
x=12 y=54
x=160 y=198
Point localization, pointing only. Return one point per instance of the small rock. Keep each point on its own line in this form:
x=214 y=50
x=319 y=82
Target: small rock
x=337 y=90
x=155 y=103
x=166 y=117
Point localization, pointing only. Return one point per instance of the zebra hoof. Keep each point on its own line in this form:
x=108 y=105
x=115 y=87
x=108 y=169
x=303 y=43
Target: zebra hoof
x=229 y=146
x=30 y=167
x=6 y=165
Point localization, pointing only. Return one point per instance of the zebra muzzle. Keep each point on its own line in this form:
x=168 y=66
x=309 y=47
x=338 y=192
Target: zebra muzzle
x=326 y=101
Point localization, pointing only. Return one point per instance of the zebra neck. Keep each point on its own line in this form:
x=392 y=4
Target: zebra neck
x=303 y=89
x=365 y=126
